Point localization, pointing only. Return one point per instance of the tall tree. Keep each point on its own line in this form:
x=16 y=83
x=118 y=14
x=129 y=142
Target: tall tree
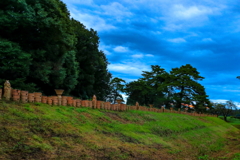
x=161 y=88
x=155 y=80
x=187 y=89
x=151 y=89
x=102 y=85
x=15 y=64
x=53 y=47
x=224 y=109
x=59 y=52
x=137 y=91
x=117 y=85
x=42 y=29
x=93 y=77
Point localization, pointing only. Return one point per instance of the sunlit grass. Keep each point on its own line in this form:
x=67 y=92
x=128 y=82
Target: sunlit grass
x=39 y=129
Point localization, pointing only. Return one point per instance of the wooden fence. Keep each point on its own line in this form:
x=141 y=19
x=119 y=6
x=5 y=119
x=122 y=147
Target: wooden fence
x=26 y=97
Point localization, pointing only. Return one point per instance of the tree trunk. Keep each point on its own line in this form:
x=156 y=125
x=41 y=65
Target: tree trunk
x=225 y=118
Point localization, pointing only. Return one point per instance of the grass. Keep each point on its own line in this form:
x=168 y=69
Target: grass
x=235 y=122
x=33 y=131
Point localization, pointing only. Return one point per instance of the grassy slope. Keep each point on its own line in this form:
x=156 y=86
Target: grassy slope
x=235 y=122
x=34 y=131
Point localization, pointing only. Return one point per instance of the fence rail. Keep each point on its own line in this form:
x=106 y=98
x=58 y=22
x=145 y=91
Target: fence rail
x=26 y=97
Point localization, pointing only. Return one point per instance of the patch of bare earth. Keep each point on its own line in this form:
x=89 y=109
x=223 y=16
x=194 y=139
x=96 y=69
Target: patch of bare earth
x=116 y=117
x=87 y=115
x=101 y=147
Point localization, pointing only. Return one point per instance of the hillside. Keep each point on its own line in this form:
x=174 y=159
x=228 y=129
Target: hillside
x=40 y=131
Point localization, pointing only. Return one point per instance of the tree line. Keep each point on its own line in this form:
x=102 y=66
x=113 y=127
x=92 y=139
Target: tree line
x=162 y=88
x=42 y=49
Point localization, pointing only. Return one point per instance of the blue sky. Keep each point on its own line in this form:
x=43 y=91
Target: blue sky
x=135 y=34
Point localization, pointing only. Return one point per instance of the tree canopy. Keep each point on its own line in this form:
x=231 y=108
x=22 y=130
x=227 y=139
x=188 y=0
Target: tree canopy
x=224 y=109
x=150 y=89
x=161 y=88
x=117 y=86
x=42 y=48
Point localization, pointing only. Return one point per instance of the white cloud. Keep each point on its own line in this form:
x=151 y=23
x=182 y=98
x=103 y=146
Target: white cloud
x=120 y=49
x=104 y=48
x=140 y=55
x=224 y=101
x=231 y=90
x=218 y=100
x=207 y=40
x=171 y=26
x=116 y=9
x=107 y=52
x=156 y=32
x=177 y=40
x=132 y=68
x=124 y=98
x=85 y=2
x=149 y=55
x=91 y=21
x=181 y=17
x=181 y=11
x=137 y=55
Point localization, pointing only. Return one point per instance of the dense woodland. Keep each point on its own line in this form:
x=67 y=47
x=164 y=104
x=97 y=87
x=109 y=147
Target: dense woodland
x=42 y=48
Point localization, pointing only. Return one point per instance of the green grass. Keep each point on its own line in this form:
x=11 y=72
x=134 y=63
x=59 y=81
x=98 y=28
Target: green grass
x=236 y=156
x=33 y=131
x=233 y=121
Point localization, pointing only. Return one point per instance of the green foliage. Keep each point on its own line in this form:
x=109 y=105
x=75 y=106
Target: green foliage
x=161 y=88
x=15 y=65
x=206 y=157
x=93 y=77
x=37 y=103
x=187 y=89
x=236 y=156
x=29 y=109
x=150 y=89
x=42 y=49
x=224 y=109
x=117 y=86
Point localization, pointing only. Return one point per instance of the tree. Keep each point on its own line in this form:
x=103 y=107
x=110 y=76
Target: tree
x=93 y=77
x=51 y=44
x=151 y=89
x=184 y=83
x=137 y=91
x=59 y=52
x=159 y=87
x=117 y=86
x=42 y=29
x=224 y=109
x=15 y=65
x=156 y=81
x=102 y=85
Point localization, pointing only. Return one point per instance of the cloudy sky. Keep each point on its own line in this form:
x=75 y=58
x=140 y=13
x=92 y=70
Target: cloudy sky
x=135 y=34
